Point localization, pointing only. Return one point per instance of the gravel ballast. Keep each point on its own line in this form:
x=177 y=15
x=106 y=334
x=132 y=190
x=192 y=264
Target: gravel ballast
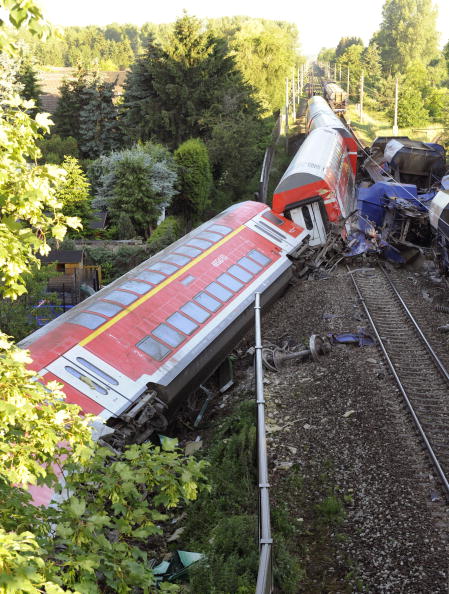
x=342 y=425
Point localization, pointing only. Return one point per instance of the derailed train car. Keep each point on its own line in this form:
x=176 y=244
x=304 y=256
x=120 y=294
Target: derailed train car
x=134 y=351
x=402 y=202
x=318 y=187
x=320 y=115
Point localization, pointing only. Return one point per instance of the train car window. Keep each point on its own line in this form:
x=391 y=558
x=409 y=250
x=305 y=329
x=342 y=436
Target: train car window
x=182 y=323
x=195 y=311
x=200 y=243
x=176 y=259
x=218 y=291
x=240 y=273
x=163 y=267
x=211 y=236
x=258 y=257
x=151 y=277
x=273 y=218
x=86 y=379
x=153 y=348
x=121 y=297
x=187 y=280
x=229 y=282
x=207 y=301
x=105 y=308
x=220 y=229
x=168 y=335
x=97 y=370
x=187 y=251
x=136 y=286
x=88 y=320
x=250 y=265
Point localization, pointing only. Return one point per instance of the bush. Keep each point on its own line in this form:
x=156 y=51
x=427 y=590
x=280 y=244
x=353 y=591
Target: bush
x=195 y=178
x=165 y=234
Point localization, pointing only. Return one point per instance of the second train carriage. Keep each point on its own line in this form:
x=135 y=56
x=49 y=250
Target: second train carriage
x=131 y=353
x=318 y=186
x=320 y=115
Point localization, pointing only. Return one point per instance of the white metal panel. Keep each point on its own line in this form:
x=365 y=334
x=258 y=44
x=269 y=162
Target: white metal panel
x=438 y=204
x=112 y=400
x=318 y=231
x=125 y=386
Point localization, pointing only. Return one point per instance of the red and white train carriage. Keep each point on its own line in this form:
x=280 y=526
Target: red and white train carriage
x=131 y=353
x=318 y=186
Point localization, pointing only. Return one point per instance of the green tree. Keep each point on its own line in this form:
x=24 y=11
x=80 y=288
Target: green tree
x=71 y=102
x=190 y=87
x=345 y=43
x=139 y=182
x=407 y=34
x=99 y=132
x=266 y=53
x=86 y=112
x=372 y=67
x=327 y=55
x=351 y=59
x=54 y=148
x=195 y=179
x=74 y=192
x=28 y=78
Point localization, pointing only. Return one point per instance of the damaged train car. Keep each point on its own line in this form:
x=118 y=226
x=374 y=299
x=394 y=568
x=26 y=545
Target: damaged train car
x=401 y=200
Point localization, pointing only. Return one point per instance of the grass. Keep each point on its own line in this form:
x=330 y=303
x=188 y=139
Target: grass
x=377 y=124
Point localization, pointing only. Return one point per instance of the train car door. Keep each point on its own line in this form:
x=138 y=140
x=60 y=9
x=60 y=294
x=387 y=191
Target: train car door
x=309 y=217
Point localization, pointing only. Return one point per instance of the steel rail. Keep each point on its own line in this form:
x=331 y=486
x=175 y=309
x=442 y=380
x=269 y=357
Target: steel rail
x=265 y=574
x=428 y=346
x=421 y=431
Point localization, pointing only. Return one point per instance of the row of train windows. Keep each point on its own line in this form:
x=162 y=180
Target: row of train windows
x=140 y=283
x=183 y=323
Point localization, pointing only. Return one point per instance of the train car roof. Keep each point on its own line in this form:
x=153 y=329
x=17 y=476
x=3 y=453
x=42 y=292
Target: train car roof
x=211 y=231
x=317 y=160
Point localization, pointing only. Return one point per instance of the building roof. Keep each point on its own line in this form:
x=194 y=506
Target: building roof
x=63 y=257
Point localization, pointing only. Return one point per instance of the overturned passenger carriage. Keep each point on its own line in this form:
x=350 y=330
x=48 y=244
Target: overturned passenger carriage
x=134 y=351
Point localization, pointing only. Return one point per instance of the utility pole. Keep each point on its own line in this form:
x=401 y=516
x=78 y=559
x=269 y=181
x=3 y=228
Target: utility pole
x=335 y=71
x=301 y=84
x=396 y=95
x=286 y=112
x=340 y=74
x=294 y=97
x=362 y=80
x=347 y=83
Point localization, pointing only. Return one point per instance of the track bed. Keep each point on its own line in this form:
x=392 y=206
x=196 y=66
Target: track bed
x=345 y=456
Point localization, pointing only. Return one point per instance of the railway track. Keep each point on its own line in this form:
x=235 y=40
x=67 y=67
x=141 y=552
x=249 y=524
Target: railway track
x=420 y=375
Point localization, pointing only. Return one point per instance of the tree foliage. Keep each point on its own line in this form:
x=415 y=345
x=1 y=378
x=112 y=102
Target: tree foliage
x=407 y=34
x=190 y=88
x=139 y=182
x=345 y=43
x=195 y=178
x=18 y=317
x=266 y=53
x=28 y=204
x=86 y=112
x=54 y=148
x=74 y=191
